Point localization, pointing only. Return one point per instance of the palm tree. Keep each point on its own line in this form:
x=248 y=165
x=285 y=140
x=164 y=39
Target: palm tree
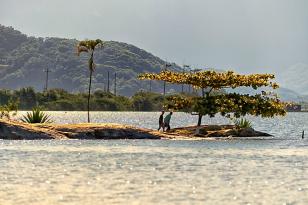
x=89 y=47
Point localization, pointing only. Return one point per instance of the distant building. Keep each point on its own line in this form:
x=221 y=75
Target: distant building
x=293 y=108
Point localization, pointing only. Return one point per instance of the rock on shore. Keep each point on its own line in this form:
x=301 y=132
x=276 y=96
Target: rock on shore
x=13 y=130
x=218 y=131
x=22 y=131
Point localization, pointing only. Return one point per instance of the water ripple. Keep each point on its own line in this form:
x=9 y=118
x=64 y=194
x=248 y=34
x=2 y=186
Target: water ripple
x=158 y=172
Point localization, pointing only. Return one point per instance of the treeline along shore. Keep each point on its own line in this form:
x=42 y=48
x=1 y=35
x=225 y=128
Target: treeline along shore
x=61 y=100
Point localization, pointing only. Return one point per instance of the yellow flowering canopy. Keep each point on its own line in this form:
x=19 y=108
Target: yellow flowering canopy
x=237 y=104
x=227 y=104
x=213 y=79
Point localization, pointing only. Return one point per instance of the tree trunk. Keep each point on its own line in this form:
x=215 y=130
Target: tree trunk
x=89 y=95
x=204 y=95
x=200 y=119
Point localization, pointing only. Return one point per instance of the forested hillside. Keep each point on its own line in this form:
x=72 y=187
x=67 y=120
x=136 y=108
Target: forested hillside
x=23 y=60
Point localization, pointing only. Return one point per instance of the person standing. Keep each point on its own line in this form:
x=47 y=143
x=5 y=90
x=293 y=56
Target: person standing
x=167 y=121
x=161 y=121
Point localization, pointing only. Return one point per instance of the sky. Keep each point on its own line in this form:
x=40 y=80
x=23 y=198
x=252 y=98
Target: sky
x=243 y=35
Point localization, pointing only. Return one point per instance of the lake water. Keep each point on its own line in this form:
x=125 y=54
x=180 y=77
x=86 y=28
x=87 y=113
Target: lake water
x=273 y=171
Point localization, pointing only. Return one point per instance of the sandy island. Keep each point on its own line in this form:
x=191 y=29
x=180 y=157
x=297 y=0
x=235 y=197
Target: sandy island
x=13 y=130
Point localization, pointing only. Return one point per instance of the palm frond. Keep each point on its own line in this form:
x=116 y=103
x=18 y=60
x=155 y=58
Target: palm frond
x=81 y=49
x=87 y=45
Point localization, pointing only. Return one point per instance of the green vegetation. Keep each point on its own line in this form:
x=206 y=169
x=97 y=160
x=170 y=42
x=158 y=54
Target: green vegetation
x=23 y=59
x=36 y=116
x=210 y=103
x=8 y=109
x=145 y=101
x=59 y=99
x=242 y=123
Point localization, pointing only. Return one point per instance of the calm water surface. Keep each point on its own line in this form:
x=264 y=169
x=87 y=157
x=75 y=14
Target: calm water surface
x=158 y=172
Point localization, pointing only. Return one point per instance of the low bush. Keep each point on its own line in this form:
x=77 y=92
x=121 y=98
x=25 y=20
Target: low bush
x=242 y=123
x=36 y=116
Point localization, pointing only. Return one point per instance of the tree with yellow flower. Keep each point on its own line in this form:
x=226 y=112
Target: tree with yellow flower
x=210 y=103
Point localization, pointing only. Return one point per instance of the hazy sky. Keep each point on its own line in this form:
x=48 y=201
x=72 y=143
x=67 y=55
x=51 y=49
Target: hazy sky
x=246 y=35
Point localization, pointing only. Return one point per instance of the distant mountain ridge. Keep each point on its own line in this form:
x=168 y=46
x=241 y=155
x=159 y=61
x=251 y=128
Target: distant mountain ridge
x=285 y=94
x=23 y=60
x=295 y=78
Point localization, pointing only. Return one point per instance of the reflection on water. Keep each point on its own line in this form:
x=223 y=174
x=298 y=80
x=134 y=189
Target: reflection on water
x=158 y=172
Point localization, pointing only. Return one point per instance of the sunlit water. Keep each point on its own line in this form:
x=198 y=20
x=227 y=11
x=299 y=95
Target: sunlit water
x=78 y=172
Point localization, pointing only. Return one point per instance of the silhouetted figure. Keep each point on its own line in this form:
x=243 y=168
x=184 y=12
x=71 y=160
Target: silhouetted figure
x=303 y=134
x=161 y=121
x=167 y=121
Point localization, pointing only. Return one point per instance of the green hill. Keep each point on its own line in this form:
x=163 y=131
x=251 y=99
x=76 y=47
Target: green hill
x=23 y=60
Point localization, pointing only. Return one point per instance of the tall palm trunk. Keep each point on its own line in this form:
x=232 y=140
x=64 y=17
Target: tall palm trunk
x=88 y=46
x=89 y=95
x=90 y=83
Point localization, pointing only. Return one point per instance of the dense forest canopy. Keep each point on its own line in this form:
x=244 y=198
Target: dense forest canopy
x=23 y=60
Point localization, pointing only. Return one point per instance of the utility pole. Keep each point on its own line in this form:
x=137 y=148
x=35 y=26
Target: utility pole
x=150 y=85
x=108 y=88
x=184 y=69
x=183 y=84
x=167 y=65
x=47 y=71
x=189 y=71
x=195 y=71
x=115 y=84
